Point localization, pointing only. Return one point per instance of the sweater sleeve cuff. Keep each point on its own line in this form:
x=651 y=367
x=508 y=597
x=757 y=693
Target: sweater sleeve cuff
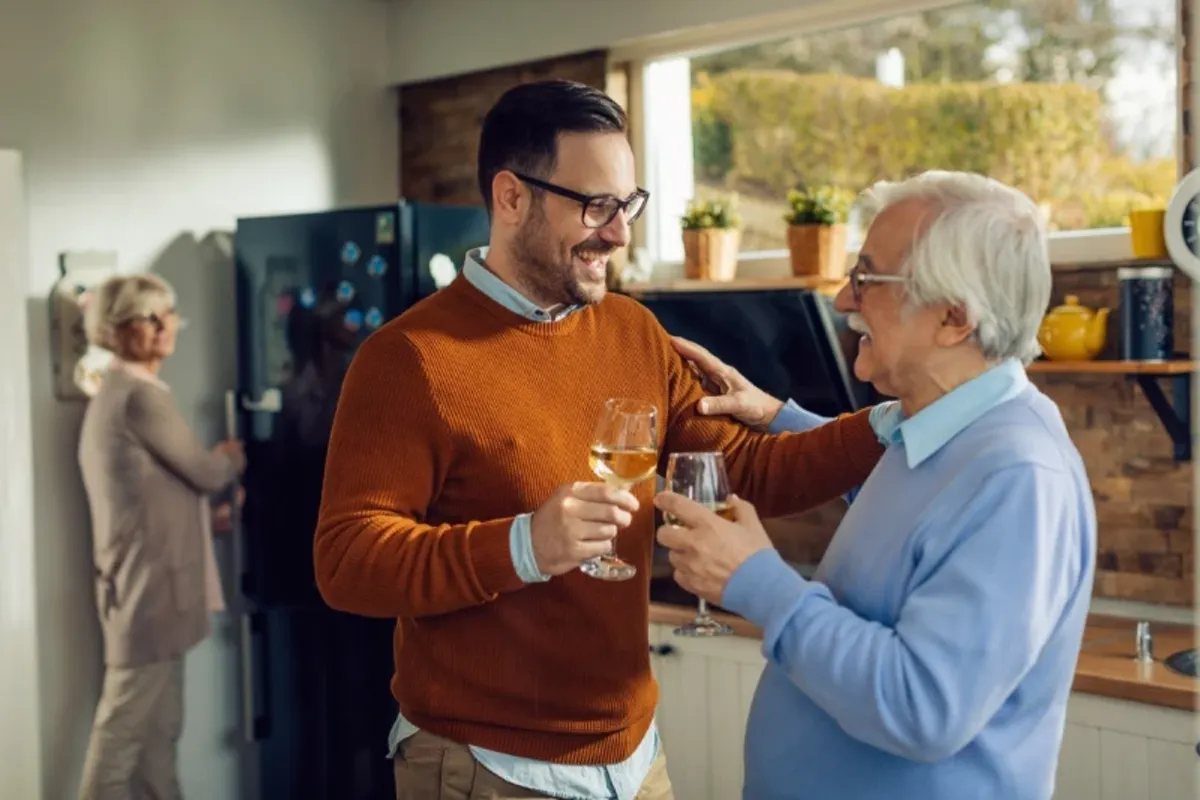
x=792 y=418
x=491 y=557
x=765 y=590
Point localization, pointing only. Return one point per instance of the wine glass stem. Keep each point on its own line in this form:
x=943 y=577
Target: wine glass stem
x=702 y=609
x=622 y=485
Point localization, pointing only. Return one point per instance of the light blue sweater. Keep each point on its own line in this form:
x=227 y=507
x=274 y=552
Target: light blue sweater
x=932 y=654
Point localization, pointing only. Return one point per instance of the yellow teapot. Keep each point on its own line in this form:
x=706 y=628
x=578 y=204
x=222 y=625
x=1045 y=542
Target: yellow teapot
x=1072 y=332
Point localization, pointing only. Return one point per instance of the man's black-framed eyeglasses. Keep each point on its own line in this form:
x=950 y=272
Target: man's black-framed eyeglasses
x=598 y=209
x=860 y=276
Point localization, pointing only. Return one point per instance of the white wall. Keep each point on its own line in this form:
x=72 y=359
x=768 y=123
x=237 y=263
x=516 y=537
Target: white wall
x=145 y=126
x=18 y=620
x=445 y=37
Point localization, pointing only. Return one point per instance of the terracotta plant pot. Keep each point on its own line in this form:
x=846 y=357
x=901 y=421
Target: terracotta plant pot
x=711 y=254
x=818 y=250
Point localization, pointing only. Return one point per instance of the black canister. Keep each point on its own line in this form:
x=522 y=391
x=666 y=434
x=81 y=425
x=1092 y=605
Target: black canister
x=1147 y=313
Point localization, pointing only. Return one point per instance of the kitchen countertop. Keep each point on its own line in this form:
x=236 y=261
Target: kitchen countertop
x=1106 y=666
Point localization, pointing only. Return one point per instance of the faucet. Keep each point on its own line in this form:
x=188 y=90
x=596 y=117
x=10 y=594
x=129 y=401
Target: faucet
x=1144 y=643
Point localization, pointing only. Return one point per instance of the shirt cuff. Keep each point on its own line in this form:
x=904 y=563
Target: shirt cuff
x=885 y=418
x=765 y=589
x=520 y=544
x=794 y=419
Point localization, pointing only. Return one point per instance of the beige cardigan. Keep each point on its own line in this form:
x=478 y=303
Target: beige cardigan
x=147 y=479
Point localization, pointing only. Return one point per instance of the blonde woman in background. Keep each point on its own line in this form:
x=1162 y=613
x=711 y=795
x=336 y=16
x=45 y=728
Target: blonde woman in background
x=148 y=481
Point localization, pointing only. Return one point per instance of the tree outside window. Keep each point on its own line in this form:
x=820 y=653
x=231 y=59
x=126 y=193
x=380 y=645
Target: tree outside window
x=1073 y=101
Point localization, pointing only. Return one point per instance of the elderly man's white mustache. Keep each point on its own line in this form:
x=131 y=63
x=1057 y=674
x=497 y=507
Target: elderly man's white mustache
x=858 y=324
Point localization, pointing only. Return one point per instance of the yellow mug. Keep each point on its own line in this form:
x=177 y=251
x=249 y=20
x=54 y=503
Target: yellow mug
x=1146 y=233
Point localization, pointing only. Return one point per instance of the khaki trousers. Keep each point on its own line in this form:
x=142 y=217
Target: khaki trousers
x=138 y=723
x=433 y=768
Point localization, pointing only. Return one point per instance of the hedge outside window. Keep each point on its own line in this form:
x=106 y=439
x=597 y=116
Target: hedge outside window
x=1074 y=102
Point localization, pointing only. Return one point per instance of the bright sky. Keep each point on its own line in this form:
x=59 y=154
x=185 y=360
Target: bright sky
x=1142 y=92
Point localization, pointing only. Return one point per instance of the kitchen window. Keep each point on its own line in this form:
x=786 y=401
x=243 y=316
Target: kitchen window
x=1073 y=101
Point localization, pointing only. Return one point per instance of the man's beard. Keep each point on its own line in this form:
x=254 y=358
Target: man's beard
x=549 y=274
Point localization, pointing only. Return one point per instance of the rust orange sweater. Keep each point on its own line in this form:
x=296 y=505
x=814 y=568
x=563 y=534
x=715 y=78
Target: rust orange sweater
x=458 y=416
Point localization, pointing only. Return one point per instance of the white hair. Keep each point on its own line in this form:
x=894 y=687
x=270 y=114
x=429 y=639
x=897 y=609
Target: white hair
x=984 y=247
x=121 y=299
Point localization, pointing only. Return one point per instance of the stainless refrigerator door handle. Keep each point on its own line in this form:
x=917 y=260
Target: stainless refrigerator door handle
x=246 y=651
x=270 y=402
x=247 y=666
x=235 y=513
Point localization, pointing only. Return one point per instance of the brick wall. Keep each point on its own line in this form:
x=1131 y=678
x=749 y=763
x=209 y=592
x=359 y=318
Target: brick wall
x=1143 y=498
x=440 y=122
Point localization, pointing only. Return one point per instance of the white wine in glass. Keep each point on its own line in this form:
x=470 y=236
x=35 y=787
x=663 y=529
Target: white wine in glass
x=624 y=452
x=701 y=477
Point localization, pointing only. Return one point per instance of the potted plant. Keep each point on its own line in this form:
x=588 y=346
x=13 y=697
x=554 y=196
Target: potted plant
x=816 y=235
x=712 y=234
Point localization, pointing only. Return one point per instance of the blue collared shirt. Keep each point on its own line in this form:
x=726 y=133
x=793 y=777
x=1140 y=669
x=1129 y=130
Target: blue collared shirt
x=932 y=653
x=569 y=782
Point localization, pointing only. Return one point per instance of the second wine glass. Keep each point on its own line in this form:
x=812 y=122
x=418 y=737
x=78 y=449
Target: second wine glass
x=624 y=452
x=700 y=477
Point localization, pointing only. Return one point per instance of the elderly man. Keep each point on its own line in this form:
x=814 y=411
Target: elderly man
x=932 y=653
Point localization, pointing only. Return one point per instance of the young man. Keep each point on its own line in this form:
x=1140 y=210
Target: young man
x=517 y=675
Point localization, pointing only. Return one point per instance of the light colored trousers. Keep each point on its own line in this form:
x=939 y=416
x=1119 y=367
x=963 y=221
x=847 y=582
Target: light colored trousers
x=434 y=768
x=138 y=723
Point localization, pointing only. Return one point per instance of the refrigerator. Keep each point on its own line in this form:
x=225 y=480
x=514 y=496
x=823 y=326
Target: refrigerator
x=311 y=288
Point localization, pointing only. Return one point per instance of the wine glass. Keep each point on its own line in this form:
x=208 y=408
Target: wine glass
x=624 y=452
x=700 y=477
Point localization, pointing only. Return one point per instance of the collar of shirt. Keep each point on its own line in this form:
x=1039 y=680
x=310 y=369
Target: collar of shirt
x=931 y=428
x=487 y=282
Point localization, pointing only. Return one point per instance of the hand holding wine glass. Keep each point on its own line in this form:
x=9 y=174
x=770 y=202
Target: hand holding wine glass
x=700 y=477
x=624 y=452
x=578 y=522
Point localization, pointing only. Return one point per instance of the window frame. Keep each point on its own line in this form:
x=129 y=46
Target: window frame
x=1093 y=246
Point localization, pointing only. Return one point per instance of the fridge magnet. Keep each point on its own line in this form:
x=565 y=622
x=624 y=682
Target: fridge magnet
x=345 y=292
x=385 y=228
x=353 y=320
x=350 y=254
x=373 y=318
x=376 y=266
x=308 y=298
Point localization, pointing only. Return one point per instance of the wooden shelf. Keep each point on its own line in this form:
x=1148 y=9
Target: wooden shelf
x=822 y=285
x=1175 y=415
x=1179 y=367
x=1115 y=264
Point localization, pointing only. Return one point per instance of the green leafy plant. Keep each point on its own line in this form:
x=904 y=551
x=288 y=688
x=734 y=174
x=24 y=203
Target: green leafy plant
x=720 y=212
x=821 y=205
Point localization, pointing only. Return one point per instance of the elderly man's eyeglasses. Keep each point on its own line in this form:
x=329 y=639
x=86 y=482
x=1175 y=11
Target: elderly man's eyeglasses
x=598 y=209
x=861 y=276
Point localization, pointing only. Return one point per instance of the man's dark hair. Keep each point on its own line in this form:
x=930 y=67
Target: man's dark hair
x=520 y=132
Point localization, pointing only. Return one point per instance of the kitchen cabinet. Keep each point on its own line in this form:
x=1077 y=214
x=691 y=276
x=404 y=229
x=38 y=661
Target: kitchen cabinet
x=705 y=689
x=1120 y=750
x=1112 y=749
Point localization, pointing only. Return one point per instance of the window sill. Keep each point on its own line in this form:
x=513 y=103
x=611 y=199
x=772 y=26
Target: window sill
x=1103 y=248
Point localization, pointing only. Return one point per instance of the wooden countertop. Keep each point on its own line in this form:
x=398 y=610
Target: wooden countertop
x=1106 y=666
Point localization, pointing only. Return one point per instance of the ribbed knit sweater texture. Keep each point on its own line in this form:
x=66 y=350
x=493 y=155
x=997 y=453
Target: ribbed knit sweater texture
x=459 y=415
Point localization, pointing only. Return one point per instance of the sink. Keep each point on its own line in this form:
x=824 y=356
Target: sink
x=1183 y=663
